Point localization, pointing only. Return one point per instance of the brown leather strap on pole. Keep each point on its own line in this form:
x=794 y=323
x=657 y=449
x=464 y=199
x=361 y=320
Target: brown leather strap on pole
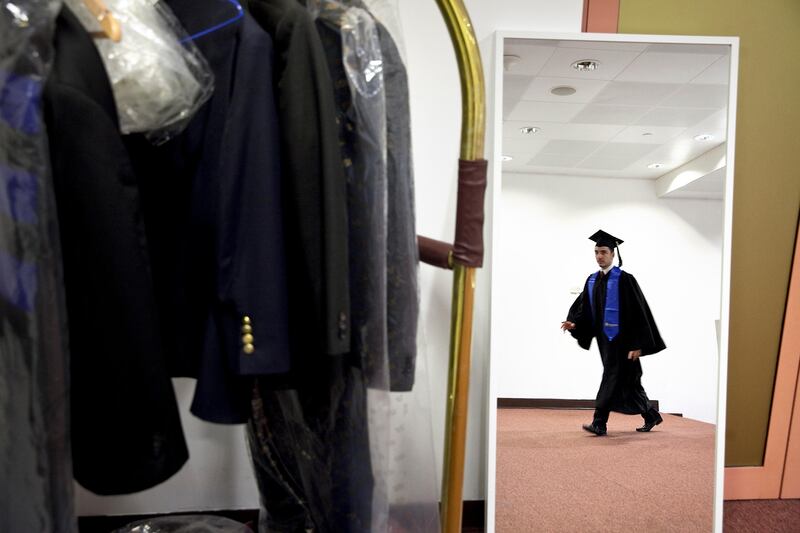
x=436 y=253
x=468 y=248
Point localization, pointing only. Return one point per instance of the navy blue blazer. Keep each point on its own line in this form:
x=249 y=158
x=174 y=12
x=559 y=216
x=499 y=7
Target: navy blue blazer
x=211 y=204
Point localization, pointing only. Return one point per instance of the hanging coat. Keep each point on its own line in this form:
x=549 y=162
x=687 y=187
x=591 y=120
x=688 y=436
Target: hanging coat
x=314 y=192
x=126 y=431
x=212 y=208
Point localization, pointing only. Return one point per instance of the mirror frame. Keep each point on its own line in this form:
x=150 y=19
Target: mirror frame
x=495 y=116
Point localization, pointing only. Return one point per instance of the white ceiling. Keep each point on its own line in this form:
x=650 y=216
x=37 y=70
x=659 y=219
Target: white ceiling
x=644 y=104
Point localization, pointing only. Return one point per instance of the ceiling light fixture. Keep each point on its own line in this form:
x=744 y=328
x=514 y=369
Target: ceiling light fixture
x=529 y=130
x=510 y=61
x=647 y=134
x=507 y=158
x=703 y=137
x=586 y=65
x=563 y=90
x=655 y=165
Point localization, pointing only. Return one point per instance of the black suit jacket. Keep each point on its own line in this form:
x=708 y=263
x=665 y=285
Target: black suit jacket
x=126 y=432
x=315 y=193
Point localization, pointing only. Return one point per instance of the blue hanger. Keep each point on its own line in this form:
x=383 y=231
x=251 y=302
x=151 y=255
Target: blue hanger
x=239 y=15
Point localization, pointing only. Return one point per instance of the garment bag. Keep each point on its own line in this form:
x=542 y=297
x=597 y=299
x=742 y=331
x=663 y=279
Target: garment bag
x=35 y=466
x=332 y=449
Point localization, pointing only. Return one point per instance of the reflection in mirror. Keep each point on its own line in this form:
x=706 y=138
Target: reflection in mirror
x=628 y=137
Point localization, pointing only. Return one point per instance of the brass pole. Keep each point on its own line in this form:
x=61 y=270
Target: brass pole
x=470 y=69
x=457 y=397
x=473 y=128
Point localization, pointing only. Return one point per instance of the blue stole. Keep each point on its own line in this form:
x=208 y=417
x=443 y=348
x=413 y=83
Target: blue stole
x=611 y=314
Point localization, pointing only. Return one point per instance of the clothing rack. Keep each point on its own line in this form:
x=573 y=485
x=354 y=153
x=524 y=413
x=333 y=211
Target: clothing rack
x=464 y=256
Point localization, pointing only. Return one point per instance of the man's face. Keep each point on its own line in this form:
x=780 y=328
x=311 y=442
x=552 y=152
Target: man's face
x=604 y=256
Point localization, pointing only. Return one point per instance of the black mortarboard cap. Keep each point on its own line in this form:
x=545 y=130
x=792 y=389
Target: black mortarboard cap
x=601 y=238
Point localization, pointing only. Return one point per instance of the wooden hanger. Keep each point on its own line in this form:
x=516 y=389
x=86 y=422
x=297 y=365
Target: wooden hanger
x=108 y=24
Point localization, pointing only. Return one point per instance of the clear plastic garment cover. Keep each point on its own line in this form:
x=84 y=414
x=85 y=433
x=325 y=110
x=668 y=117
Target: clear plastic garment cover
x=365 y=447
x=159 y=78
x=185 y=524
x=35 y=471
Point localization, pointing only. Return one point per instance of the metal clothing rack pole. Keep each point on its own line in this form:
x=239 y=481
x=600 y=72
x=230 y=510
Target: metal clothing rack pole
x=464 y=257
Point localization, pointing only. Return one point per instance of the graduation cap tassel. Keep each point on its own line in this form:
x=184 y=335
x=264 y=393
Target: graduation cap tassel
x=619 y=255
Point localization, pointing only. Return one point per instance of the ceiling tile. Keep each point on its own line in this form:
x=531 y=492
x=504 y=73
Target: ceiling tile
x=678 y=48
x=604 y=163
x=635 y=93
x=674 y=116
x=577 y=148
x=629 y=151
x=555 y=160
x=513 y=89
x=612 y=62
x=585 y=90
x=554 y=130
x=693 y=95
x=517 y=163
x=639 y=134
x=605 y=136
x=529 y=147
x=533 y=55
x=658 y=67
x=715 y=124
x=604 y=45
x=675 y=154
x=718 y=73
x=609 y=114
x=544 y=111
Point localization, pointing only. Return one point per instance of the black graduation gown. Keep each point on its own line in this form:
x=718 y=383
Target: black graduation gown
x=621 y=388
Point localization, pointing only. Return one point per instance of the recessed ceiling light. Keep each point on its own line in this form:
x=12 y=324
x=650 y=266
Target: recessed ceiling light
x=507 y=158
x=586 y=65
x=529 y=130
x=510 y=61
x=703 y=137
x=655 y=165
x=563 y=90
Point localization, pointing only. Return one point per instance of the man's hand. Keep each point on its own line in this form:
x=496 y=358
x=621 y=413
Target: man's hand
x=633 y=355
x=567 y=325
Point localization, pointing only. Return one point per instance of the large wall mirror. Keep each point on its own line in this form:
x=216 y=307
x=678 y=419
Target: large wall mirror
x=632 y=135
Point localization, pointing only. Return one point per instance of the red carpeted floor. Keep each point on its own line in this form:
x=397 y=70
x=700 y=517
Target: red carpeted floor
x=761 y=516
x=554 y=477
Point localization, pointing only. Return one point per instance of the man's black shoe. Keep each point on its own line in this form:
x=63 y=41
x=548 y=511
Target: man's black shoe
x=597 y=430
x=650 y=425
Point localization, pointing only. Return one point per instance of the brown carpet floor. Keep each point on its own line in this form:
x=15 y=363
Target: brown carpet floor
x=554 y=477
x=761 y=516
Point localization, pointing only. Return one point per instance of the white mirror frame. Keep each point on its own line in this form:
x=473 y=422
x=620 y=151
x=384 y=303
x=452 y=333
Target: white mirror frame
x=495 y=121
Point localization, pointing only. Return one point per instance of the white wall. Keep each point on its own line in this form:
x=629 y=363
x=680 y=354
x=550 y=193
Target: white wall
x=436 y=122
x=672 y=247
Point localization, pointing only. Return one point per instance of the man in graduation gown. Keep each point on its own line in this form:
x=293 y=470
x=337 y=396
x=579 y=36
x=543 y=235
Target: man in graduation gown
x=613 y=310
